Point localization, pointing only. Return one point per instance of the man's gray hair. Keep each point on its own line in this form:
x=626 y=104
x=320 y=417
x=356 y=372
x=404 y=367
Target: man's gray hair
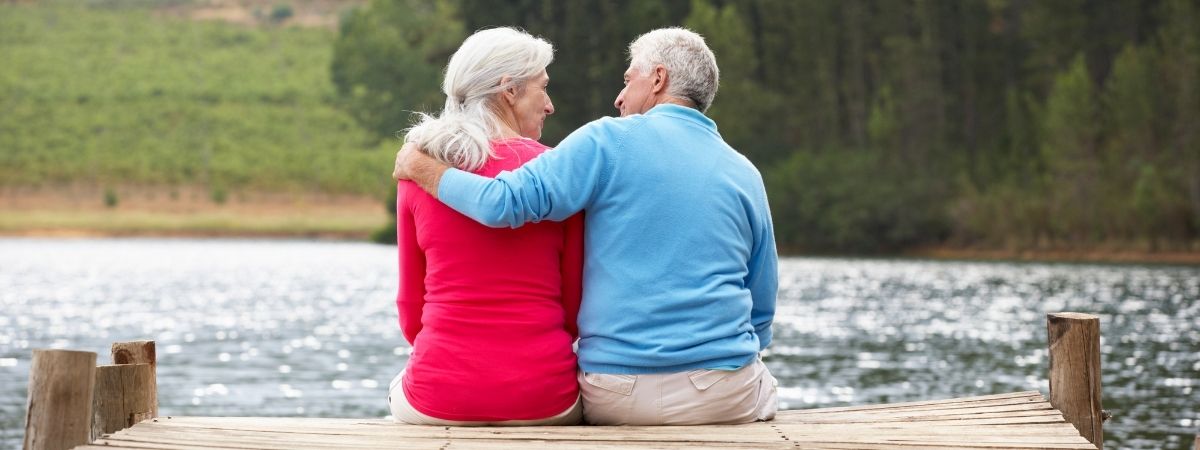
x=691 y=66
x=460 y=136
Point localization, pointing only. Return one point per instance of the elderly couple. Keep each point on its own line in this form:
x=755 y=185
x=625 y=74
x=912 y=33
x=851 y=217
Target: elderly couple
x=645 y=237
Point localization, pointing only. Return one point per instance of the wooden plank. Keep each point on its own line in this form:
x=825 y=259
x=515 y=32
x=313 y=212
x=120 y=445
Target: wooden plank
x=960 y=441
x=933 y=446
x=268 y=440
x=907 y=429
x=734 y=433
x=924 y=417
x=867 y=443
x=750 y=433
x=926 y=434
x=575 y=434
x=925 y=430
x=916 y=406
x=952 y=422
x=982 y=398
x=434 y=444
x=876 y=435
x=310 y=424
x=283 y=444
x=1003 y=404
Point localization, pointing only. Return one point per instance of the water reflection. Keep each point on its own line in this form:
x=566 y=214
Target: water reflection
x=243 y=327
x=912 y=330
x=283 y=328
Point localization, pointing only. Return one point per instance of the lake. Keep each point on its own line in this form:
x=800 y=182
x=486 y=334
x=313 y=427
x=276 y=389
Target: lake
x=302 y=328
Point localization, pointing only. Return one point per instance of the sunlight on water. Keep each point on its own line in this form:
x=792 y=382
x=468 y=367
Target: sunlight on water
x=242 y=327
x=287 y=328
x=915 y=330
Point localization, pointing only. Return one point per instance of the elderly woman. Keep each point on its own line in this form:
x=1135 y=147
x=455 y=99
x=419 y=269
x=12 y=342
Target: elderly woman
x=490 y=312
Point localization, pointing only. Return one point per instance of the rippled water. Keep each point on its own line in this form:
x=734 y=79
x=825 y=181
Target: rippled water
x=287 y=328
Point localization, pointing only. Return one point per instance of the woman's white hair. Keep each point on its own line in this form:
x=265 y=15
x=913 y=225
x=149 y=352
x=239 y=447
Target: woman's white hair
x=690 y=64
x=460 y=135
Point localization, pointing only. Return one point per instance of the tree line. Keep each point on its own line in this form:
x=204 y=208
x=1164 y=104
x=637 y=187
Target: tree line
x=879 y=126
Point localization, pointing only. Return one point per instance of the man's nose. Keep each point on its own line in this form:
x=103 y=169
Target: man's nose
x=620 y=100
x=549 y=107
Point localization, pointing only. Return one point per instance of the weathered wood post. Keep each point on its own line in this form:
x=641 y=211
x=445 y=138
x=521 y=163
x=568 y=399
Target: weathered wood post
x=140 y=352
x=59 y=410
x=126 y=392
x=1074 y=340
x=121 y=398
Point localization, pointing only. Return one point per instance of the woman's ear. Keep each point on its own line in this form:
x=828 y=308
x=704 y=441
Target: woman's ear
x=510 y=92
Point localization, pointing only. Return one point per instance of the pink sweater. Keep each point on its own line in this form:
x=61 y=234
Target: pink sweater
x=490 y=312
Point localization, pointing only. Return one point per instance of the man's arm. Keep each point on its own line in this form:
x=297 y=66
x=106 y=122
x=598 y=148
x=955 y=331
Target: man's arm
x=412 y=164
x=763 y=279
x=554 y=186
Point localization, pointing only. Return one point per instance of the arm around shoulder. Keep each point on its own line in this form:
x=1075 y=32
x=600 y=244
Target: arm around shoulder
x=554 y=186
x=412 y=164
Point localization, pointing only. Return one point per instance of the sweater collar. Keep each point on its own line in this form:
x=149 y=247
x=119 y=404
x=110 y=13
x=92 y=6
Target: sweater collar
x=682 y=112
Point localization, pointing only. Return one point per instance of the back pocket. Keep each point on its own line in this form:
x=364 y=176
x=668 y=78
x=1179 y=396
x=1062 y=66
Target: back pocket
x=620 y=384
x=703 y=379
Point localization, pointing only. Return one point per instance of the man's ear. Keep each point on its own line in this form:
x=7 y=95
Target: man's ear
x=661 y=77
x=509 y=93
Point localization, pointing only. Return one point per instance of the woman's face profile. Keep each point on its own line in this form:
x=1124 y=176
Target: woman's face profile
x=532 y=105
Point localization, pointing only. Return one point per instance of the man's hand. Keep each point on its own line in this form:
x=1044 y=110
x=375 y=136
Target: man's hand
x=403 y=161
x=413 y=164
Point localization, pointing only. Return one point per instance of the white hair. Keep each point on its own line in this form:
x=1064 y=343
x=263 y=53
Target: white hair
x=460 y=135
x=691 y=66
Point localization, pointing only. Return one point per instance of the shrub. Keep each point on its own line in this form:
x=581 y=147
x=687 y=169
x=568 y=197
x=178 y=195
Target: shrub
x=110 y=197
x=281 y=13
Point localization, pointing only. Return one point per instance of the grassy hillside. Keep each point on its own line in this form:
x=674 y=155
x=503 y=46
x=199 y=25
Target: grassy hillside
x=120 y=96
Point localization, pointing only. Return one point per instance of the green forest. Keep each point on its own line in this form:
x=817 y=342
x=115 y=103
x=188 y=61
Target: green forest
x=879 y=126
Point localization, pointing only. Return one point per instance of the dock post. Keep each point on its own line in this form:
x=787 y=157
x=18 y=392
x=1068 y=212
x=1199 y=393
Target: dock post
x=122 y=398
x=59 y=410
x=1074 y=340
x=127 y=391
x=140 y=352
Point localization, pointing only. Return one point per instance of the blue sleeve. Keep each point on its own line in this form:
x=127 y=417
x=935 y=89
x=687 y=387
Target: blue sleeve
x=554 y=186
x=763 y=277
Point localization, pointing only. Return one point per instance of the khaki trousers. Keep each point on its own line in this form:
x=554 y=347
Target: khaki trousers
x=696 y=397
x=403 y=412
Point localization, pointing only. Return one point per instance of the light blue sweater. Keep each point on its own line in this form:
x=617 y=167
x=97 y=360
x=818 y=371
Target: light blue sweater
x=680 y=263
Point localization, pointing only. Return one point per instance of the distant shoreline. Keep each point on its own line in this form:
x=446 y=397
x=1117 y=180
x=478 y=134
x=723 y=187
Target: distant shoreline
x=1059 y=255
x=82 y=233
x=300 y=223
x=360 y=228
x=189 y=213
x=79 y=212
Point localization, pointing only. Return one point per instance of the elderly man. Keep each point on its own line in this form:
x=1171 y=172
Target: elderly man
x=680 y=268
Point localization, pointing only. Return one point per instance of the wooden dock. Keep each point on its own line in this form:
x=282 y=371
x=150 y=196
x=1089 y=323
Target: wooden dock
x=75 y=404
x=1023 y=420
